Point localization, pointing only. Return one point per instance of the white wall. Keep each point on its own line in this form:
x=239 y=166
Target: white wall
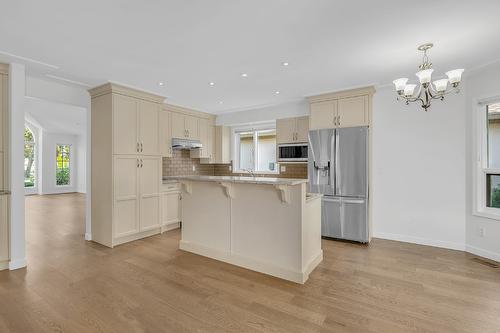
x=419 y=171
x=48 y=180
x=81 y=153
x=51 y=91
x=482 y=83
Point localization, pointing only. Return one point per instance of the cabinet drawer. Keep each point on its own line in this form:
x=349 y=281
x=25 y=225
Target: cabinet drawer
x=169 y=187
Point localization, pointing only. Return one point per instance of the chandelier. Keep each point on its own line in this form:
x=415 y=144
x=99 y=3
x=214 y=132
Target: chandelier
x=427 y=91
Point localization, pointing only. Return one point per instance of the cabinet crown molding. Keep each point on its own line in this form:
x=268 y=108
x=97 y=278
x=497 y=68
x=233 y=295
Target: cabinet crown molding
x=370 y=90
x=111 y=87
x=4 y=69
x=191 y=112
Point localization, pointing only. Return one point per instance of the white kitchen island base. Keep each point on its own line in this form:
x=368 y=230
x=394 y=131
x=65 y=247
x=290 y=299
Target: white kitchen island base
x=266 y=225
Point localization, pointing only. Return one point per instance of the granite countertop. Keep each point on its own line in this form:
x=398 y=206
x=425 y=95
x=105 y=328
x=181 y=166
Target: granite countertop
x=238 y=179
x=4 y=192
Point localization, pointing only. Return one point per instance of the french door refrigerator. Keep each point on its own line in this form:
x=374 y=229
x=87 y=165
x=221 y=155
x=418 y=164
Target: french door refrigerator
x=338 y=168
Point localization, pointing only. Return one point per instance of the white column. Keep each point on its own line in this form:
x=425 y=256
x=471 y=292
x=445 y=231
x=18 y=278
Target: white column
x=17 y=80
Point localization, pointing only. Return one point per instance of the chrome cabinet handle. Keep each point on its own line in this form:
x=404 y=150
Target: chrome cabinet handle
x=138 y=165
x=137 y=147
x=338 y=121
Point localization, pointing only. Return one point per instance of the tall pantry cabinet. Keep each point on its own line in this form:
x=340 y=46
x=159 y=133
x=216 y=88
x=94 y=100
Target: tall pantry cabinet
x=126 y=164
x=4 y=183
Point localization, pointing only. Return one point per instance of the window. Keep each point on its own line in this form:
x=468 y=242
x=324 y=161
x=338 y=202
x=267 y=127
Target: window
x=493 y=151
x=63 y=174
x=256 y=150
x=487 y=201
x=29 y=159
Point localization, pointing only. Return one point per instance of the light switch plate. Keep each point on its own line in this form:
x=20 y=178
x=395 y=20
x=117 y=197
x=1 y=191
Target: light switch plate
x=282 y=168
x=194 y=167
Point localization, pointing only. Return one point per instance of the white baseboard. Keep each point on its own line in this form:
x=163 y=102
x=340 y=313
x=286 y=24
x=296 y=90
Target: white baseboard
x=420 y=241
x=483 y=253
x=88 y=236
x=17 y=264
x=171 y=226
x=252 y=264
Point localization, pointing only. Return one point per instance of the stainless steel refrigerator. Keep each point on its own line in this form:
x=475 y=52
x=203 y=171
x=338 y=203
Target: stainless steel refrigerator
x=338 y=168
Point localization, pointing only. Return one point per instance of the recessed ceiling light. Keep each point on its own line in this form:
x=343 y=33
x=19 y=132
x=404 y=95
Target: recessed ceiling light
x=285 y=63
x=161 y=83
x=244 y=75
x=277 y=92
x=221 y=102
x=211 y=84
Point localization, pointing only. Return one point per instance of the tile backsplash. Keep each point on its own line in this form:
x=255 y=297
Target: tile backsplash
x=181 y=164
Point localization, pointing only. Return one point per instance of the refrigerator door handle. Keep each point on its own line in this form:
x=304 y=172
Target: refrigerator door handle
x=354 y=201
x=338 y=190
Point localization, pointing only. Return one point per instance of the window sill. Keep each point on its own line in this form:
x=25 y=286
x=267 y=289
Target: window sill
x=488 y=213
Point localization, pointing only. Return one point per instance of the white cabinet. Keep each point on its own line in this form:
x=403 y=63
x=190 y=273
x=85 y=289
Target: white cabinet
x=292 y=130
x=135 y=126
x=184 y=126
x=205 y=139
x=323 y=115
x=344 y=109
x=126 y=163
x=171 y=206
x=353 y=112
x=4 y=231
x=165 y=134
x=222 y=145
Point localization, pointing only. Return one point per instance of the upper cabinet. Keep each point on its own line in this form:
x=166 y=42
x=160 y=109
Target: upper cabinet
x=165 y=134
x=292 y=130
x=350 y=108
x=4 y=69
x=184 y=126
x=135 y=126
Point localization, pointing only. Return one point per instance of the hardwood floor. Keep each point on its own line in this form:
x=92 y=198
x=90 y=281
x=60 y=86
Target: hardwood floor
x=150 y=286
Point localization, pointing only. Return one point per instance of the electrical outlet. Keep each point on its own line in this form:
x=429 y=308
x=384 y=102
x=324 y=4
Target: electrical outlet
x=194 y=167
x=230 y=168
x=282 y=168
x=482 y=232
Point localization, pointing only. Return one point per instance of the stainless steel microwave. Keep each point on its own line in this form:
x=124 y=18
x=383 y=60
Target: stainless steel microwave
x=292 y=152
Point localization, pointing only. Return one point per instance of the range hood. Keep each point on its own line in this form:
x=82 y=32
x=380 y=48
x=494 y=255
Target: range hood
x=186 y=144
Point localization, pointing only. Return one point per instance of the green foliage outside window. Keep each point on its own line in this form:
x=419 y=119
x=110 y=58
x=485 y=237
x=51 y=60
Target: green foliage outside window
x=63 y=175
x=29 y=158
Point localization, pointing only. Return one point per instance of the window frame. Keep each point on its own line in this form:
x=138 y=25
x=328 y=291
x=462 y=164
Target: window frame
x=70 y=184
x=255 y=128
x=480 y=163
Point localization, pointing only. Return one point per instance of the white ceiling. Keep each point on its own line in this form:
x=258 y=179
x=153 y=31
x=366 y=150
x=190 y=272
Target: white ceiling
x=56 y=117
x=330 y=45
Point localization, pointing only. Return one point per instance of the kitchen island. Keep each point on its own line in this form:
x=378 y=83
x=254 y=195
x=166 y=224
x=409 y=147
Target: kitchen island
x=269 y=225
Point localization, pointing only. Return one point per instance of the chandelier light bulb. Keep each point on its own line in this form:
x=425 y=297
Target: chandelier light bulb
x=455 y=76
x=400 y=83
x=441 y=85
x=424 y=76
x=409 y=89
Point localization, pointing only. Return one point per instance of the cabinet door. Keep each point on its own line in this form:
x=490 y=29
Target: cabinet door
x=203 y=136
x=125 y=135
x=148 y=127
x=173 y=204
x=285 y=130
x=2 y=111
x=177 y=125
x=150 y=178
x=1 y=171
x=4 y=228
x=353 y=111
x=302 y=129
x=322 y=115
x=165 y=138
x=191 y=124
x=126 y=200
x=222 y=144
